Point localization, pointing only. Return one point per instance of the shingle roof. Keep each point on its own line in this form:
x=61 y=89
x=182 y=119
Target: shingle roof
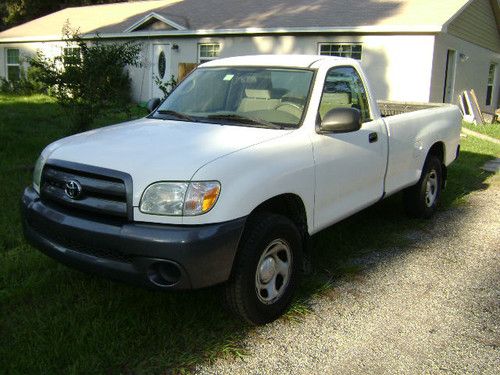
x=242 y=14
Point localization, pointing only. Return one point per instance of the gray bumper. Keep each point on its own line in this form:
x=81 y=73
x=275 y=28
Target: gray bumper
x=154 y=255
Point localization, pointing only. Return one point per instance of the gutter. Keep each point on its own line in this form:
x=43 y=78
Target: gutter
x=383 y=29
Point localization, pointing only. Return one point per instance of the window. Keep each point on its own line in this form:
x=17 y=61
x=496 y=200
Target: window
x=162 y=64
x=72 y=55
x=344 y=89
x=340 y=49
x=243 y=96
x=491 y=81
x=208 y=52
x=13 y=65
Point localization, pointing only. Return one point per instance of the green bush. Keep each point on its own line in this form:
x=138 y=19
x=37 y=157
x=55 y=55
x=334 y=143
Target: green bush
x=89 y=77
x=27 y=84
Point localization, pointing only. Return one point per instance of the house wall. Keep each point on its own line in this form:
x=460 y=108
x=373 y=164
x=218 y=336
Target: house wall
x=477 y=24
x=398 y=66
x=472 y=68
x=50 y=49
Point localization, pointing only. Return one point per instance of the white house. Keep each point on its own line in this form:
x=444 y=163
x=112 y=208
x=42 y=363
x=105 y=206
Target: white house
x=412 y=50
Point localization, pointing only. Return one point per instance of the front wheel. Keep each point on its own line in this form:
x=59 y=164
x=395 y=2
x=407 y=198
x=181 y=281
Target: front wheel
x=421 y=199
x=266 y=269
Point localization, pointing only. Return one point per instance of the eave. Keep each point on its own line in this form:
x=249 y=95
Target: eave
x=378 y=29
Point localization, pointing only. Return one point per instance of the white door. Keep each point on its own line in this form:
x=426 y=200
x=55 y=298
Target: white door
x=449 y=84
x=160 y=69
x=350 y=167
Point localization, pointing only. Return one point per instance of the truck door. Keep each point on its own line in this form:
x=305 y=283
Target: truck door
x=350 y=167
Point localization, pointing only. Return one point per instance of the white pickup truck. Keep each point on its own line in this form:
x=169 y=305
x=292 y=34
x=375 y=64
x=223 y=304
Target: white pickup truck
x=226 y=180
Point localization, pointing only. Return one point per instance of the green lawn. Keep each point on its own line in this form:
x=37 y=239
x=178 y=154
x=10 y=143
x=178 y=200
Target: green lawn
x=57 y=320
x=493 y=130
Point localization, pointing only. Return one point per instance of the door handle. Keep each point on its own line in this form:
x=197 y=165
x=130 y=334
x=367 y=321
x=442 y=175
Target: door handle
x=373 y=137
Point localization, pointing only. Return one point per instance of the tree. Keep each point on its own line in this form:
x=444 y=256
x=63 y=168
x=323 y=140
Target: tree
x=88 y=77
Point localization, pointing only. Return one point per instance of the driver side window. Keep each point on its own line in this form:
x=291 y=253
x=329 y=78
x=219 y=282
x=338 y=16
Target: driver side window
x=344 y=89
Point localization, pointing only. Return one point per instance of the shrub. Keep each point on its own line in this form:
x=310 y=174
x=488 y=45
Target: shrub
x=166 y=87
x=26 y=85
x=89 y=77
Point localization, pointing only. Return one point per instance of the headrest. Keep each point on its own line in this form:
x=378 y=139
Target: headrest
x=258 y=94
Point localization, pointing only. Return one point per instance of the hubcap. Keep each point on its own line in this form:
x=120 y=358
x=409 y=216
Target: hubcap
x=273 y=271
x=431 y=189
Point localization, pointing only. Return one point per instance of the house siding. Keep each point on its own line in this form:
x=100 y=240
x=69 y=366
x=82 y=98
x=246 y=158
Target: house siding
x=477 y=24
x=399 y=67
x=471 y=70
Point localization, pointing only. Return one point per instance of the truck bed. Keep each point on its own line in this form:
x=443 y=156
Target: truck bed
x=413 y=128
x=392 y=108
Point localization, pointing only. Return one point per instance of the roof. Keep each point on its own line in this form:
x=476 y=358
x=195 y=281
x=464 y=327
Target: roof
x=243 y=16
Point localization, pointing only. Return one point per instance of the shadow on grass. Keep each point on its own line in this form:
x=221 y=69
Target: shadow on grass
x=56 y=320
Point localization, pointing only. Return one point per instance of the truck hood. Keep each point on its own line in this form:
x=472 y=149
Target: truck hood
x=153 y=150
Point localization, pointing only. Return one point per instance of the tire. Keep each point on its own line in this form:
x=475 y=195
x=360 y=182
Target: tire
x=421 y=199
x=266 y=269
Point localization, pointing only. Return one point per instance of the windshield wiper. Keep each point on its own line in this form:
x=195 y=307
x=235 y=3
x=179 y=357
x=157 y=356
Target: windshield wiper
x=179 y=115
x=244 y=120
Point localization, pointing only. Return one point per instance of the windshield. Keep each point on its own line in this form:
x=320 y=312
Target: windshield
x=250 y=96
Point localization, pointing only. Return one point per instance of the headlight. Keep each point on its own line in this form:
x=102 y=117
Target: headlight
x=37 y=173
x=180 y=198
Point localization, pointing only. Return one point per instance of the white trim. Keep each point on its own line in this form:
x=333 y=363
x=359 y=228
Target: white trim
x=418 y=29
x=457 y=13
x=156 y=16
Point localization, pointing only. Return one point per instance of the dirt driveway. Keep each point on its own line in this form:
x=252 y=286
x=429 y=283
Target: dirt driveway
x=431 y=308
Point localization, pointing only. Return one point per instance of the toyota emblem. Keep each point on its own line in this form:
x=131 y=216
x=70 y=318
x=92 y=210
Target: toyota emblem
x=73 y=189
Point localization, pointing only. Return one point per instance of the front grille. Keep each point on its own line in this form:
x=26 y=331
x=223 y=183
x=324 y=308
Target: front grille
x=84 y=192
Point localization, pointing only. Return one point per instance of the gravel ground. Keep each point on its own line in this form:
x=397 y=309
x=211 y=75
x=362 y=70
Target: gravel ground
x=430 y=307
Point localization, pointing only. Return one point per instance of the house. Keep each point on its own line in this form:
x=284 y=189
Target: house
x=412 y=50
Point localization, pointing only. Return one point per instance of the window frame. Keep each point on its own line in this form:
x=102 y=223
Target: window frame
x=490 y=86
x=203 y=59
x=8 y=64
x=367 y=93
x=342 y=53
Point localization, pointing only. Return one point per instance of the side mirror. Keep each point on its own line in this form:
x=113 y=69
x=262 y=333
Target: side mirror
x=153 y=104
x=341 y=120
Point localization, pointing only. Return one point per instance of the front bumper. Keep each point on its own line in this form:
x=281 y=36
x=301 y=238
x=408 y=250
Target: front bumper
x=153 y=255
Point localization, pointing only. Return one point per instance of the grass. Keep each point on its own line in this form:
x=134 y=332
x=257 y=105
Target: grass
x=493 y=130
x=56 y=320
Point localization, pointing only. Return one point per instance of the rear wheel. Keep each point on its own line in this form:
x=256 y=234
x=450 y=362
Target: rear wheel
x=421 y=199
x=266 y=269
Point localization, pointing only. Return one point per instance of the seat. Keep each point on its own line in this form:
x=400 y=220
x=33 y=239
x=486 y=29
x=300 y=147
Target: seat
x=257 y=100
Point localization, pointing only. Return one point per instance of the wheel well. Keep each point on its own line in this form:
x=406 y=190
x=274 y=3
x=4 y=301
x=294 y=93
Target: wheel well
x=437 y=150
x=289 y=205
